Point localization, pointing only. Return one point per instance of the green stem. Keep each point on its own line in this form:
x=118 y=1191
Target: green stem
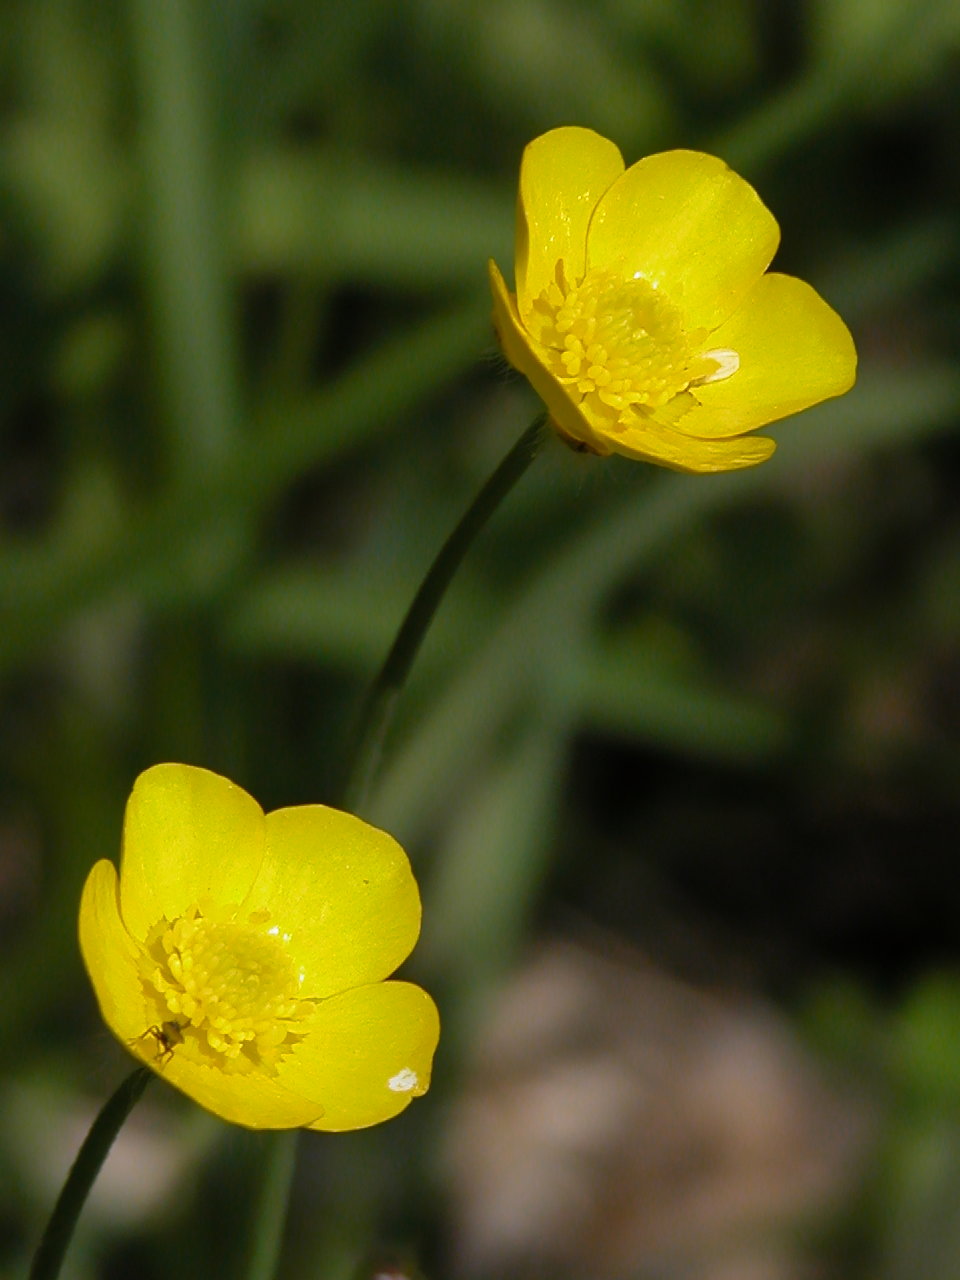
x=362 y=763
x=266 y=1238
x=59 y=1231
x=380 y=703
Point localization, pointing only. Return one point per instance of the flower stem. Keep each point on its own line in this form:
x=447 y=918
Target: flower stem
x=59 y=1231
x=378 y=708
x=266 y=1238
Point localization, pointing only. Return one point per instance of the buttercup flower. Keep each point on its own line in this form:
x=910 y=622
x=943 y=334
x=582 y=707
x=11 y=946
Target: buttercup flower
x=643 y=316
x=243 y=955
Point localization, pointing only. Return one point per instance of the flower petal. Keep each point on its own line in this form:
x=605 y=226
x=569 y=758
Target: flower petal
x=691 y=226
x=563 y=174
x=254 y=1100
x=190 y=838
x=521 y=351
x=794 y=352
x=342 y=893
x=110 y=954
x=651 y=441
x=368 y=1052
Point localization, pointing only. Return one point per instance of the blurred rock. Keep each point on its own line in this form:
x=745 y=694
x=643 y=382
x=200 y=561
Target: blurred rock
x=618 y=1123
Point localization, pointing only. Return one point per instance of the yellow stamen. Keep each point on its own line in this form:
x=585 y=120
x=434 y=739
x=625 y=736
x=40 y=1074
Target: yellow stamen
x=230 y=986
x=620 y=345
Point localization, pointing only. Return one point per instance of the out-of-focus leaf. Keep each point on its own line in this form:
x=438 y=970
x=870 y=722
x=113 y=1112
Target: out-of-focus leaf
x=70 y=191
x=344 y=219
x=626 y=691
x=41 y=587
x=855 y=39
x=492 y=860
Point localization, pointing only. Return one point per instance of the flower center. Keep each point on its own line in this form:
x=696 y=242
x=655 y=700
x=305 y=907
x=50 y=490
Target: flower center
x=224 y=993
x=620 y=345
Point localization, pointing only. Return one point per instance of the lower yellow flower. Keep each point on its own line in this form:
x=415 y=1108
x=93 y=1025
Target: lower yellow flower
x=643 y=316
x=243 y=955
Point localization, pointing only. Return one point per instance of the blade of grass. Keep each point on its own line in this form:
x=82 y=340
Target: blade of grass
x=185 y=272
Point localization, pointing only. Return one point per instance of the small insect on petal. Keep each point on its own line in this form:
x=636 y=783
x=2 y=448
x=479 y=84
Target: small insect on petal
x=167 y=1036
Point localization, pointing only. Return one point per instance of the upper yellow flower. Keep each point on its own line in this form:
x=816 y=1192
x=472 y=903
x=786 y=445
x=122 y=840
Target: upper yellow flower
x=242 y=955
x=643 y=317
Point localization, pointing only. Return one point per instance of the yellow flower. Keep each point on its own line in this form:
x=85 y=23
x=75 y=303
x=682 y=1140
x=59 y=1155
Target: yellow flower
x=643 y=316
x=243 y=955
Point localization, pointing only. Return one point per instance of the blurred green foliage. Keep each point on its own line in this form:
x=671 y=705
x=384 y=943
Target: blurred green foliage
x=247 y=383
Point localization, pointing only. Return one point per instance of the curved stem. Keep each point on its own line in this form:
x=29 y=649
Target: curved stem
x=377 y=711
x=59 y=1231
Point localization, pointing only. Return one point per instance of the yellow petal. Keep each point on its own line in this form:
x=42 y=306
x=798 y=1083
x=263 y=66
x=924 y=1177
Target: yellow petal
x=652 y=442
x=368 y=1053
x=342 y=894
x=521 y=351
x=110 y=954
x=254 y=1100
x=563 y=174
x=190 y=838
x=689 y=225
x=794 y=351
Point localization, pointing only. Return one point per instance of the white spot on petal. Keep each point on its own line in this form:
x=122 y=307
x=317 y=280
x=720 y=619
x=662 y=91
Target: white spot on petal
x=403 y=1081
x=727 y=359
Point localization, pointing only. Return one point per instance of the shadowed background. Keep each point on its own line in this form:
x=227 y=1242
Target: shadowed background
x=678 y=765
